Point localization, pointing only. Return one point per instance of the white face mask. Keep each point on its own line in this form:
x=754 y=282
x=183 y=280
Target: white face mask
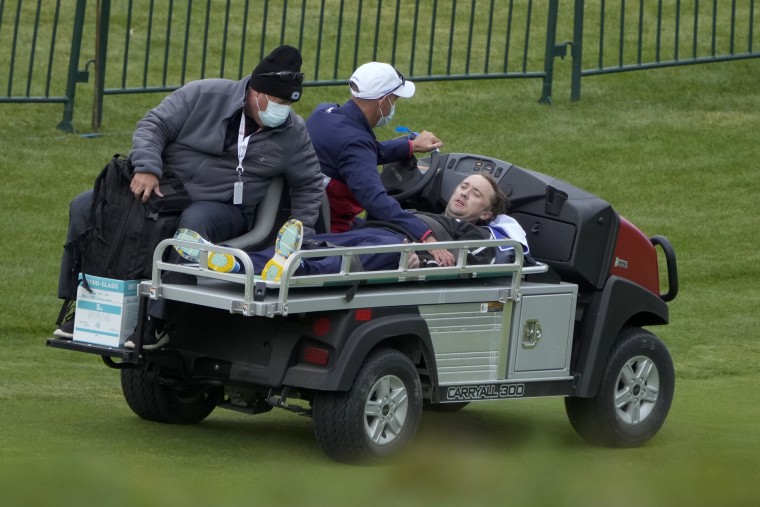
x=385 y=120
x=275 y=114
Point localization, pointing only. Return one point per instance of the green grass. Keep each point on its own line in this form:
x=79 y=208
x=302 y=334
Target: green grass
x=673 y=150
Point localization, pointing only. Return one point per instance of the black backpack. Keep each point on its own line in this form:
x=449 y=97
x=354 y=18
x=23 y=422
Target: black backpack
x=123 y=231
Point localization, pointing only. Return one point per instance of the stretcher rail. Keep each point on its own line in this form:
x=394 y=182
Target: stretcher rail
x=261 y=297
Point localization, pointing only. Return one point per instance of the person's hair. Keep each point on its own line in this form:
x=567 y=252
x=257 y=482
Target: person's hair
x=499 y=201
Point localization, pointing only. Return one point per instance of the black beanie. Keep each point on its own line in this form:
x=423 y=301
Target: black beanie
x=282 y=59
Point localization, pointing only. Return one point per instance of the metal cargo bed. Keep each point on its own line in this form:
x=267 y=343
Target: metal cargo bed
x=250 y=295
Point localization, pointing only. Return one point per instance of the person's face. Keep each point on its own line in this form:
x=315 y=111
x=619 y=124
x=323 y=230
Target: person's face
x=386 y=104
x=256 y=101
x=471 y=200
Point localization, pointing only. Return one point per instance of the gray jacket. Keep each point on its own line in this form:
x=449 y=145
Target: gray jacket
x=185 y=135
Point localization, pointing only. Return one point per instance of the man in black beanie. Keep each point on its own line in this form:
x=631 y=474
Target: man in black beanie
x=279 y=74
x=225 y=140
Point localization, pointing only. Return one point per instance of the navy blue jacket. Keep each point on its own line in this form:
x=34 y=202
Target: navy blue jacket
x=349 y=152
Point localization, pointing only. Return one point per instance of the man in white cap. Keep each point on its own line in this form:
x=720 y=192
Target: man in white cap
x=349 y=152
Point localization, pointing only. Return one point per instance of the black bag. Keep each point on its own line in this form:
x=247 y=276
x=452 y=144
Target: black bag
x=123 y=231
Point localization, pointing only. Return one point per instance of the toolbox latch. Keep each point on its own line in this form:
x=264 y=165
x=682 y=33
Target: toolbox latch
x=531 y=334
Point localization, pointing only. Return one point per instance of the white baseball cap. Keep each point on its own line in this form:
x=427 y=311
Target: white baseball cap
x=374 y=80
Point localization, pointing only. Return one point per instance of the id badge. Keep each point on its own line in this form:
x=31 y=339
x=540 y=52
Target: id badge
x=237 y=194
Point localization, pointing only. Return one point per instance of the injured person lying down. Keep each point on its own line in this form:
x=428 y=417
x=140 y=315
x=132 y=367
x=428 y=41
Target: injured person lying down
x=475 y=211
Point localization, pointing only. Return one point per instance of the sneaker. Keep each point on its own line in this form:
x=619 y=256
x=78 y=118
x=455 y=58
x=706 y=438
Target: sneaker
x=224 y=263
x=289 y=240
x=155 y=335
x=66 y=327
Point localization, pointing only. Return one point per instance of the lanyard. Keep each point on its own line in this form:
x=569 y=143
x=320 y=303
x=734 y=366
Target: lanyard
x=237 y=194
x=242 y=145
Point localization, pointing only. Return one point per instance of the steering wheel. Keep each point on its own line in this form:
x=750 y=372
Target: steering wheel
x=403 y=181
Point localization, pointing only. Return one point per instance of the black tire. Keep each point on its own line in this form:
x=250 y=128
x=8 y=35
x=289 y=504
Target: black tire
x=634 y=396
x=166 y=404
x=377 y=417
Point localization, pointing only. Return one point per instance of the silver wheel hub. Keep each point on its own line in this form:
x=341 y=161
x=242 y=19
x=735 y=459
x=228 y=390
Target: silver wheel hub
x=386 y=410
x=638 y=386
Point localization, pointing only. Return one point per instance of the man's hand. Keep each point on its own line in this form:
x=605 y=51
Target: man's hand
x=426 y=142
x=413 y=262
x=442 y=257
x=144 y=184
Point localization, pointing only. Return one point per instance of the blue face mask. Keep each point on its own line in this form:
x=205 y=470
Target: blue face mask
x=385 y=120
x=275 y=114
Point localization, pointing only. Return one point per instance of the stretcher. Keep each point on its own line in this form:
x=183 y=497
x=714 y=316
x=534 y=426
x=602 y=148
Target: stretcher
x=248 y=294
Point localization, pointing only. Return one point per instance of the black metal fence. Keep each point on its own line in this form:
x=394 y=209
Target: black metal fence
x=621 y=36
x=135 y=46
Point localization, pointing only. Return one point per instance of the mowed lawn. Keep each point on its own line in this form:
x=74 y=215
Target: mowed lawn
x=674 y=150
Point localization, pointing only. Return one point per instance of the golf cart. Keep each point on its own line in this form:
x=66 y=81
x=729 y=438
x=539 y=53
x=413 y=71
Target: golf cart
x=365 y=353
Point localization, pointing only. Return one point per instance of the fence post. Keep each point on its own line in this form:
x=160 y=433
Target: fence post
x=575 y=91
x=73 y=76
x=101 y=50
x=550 y=52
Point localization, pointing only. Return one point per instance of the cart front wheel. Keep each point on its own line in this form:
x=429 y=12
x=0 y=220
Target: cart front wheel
x=634 y=397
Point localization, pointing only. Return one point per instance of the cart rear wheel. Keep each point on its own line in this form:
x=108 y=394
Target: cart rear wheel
x=377 y=417
x=162 y=403
x=634 y=397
